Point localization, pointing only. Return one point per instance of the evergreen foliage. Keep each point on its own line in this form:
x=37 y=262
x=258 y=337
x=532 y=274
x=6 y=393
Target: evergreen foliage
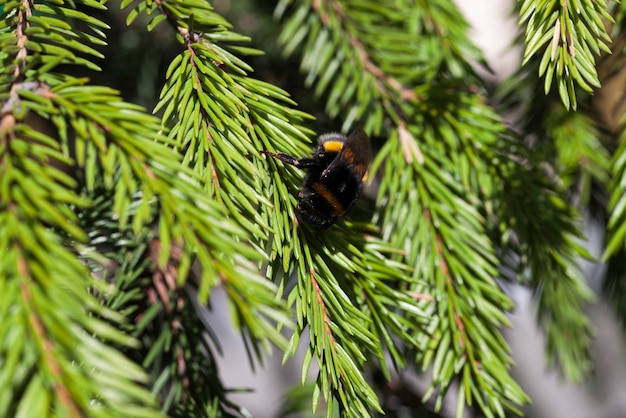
x=576 y=33
x=116 y=224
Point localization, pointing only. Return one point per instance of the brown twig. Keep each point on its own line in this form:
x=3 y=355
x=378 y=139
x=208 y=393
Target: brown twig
x=444 y=268
x=25 y=11
x=320 y=302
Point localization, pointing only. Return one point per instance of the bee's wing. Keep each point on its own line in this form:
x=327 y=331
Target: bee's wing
x=357 y=151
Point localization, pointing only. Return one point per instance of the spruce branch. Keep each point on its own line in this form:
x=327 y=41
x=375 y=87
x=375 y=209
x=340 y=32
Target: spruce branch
x=573 y=144
x=609 y=115
x=346 y=295
x=47 y=310
x=573 y=174
x=440 y=237
x=220 y=117
x=108 y=146
x=106 y=205
x=53 y=341
x=175 y=348
x=445 y=151
x=612 y=69
x=570 y=33
x=617 y=203
x=548 y=251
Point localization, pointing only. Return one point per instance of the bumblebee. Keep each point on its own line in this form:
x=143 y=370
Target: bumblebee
x=334 y=178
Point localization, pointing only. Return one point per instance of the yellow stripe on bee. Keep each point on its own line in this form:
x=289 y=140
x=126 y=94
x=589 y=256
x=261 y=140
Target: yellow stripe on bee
x=333 y=146
x=332 y=200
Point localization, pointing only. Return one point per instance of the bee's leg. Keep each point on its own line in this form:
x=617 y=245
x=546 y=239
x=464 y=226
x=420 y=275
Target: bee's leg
x=300 y=163
x=307 y=163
